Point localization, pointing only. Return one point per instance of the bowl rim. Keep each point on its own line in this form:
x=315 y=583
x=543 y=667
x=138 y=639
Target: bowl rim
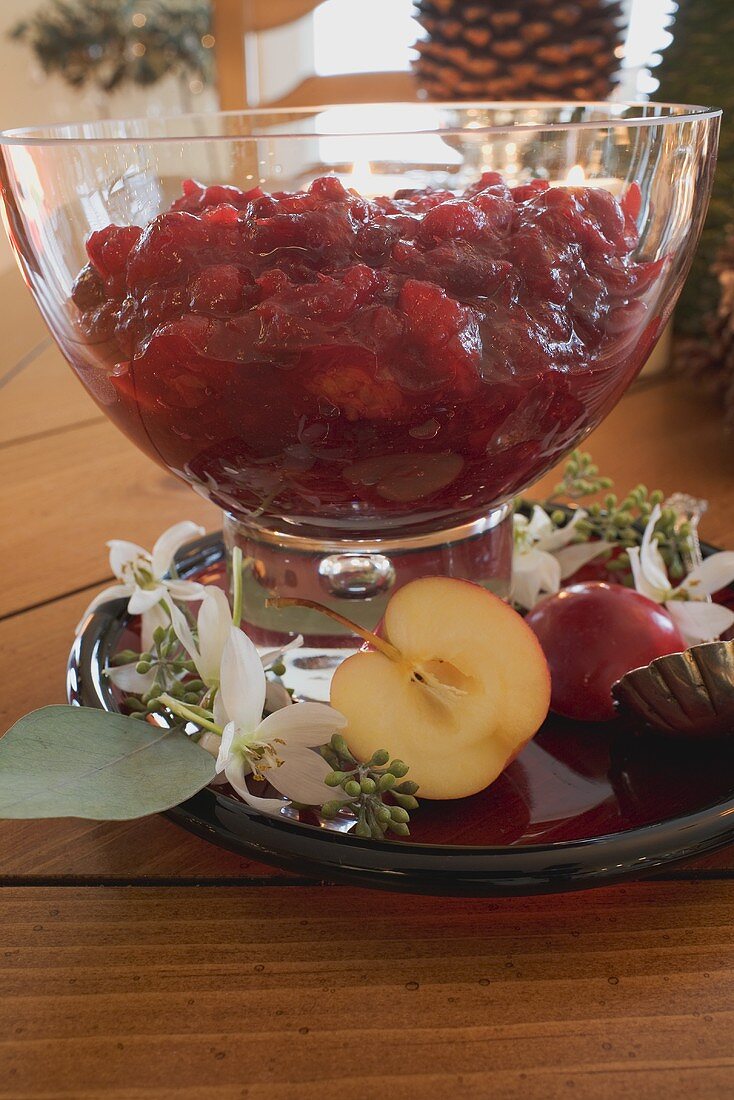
x=610 y=115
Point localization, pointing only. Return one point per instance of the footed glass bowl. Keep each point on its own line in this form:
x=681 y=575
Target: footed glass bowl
x=361 y=330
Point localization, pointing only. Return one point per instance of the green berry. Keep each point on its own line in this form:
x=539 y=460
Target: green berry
x=331 y=809
x=397 y=813
x=407 y=801
x=133 y=704
x=398 y=768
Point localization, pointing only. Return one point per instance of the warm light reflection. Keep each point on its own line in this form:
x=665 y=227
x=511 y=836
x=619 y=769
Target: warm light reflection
x=26 y=174
x=576 y=177
x=361 y=178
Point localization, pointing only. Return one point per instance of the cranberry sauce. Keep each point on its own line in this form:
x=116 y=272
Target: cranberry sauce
x=364 y=364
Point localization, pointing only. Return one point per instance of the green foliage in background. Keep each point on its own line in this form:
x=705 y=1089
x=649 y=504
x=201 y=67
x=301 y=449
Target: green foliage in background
x=697 y=68
x=109 y=43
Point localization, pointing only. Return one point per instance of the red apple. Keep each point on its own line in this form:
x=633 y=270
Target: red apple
x=592 y=634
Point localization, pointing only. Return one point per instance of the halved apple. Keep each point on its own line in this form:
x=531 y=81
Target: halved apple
x=456 y=684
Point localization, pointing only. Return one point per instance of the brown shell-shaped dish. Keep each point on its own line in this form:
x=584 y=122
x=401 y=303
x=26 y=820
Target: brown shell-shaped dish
x=689 y=694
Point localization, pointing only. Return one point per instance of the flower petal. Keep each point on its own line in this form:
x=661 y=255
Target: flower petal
x=540 y=525
x=276 y=697
x=561 y=536
x=699 y=620
x=301 y=775
x=171 y=541
x=573 y=558
x=640 y=579
x=128 y=679
x=183 y=632
x=214 y=624
x=236 y=777
x=534 y=572
x=242 y=682
x=114 y=592
x=714 y=573
x=210 y=742
x=220 y=716
x=143 y=599
x=225 y=754
x=272 y=656
x=125 y=553
x=652 y=566
x=304 y=724
x=183 y=591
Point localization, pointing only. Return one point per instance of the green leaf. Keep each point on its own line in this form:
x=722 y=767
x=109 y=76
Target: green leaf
x=80 y=762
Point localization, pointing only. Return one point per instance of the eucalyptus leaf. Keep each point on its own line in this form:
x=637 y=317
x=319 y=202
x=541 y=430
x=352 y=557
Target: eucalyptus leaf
x=80 y=762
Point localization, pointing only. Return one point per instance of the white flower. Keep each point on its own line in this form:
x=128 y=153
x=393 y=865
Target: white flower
x=542 y=556
x=141 y=578
x=279 y=747
x=213 y=627
x=697 y=617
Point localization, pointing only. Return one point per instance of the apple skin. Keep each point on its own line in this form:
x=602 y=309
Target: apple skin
x=594 y=633
x=461 y=632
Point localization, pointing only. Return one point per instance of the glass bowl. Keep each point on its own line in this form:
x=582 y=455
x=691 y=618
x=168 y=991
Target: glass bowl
x=361 y=330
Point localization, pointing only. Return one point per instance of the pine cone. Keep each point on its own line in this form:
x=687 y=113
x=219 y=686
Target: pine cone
x=528 y=49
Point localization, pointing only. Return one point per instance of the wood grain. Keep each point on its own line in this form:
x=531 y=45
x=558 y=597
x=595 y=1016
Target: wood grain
x=275 y=993
x=385 y=87
x=23 y=328
x=68 y=494
x=229 y=24
x=44 y=397
x=263 y=15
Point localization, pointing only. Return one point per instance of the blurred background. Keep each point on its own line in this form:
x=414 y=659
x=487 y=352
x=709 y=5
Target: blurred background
x=68 y=60
x=288 y=49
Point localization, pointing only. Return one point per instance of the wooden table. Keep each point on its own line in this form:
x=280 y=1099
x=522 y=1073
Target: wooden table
x=138 y=961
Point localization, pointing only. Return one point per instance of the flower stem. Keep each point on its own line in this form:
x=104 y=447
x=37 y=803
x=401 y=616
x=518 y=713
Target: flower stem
x=237 y=586
x=185 y=712
x=385 y=647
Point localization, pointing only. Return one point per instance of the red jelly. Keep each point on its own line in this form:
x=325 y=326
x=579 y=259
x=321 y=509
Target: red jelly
x=365 y=364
